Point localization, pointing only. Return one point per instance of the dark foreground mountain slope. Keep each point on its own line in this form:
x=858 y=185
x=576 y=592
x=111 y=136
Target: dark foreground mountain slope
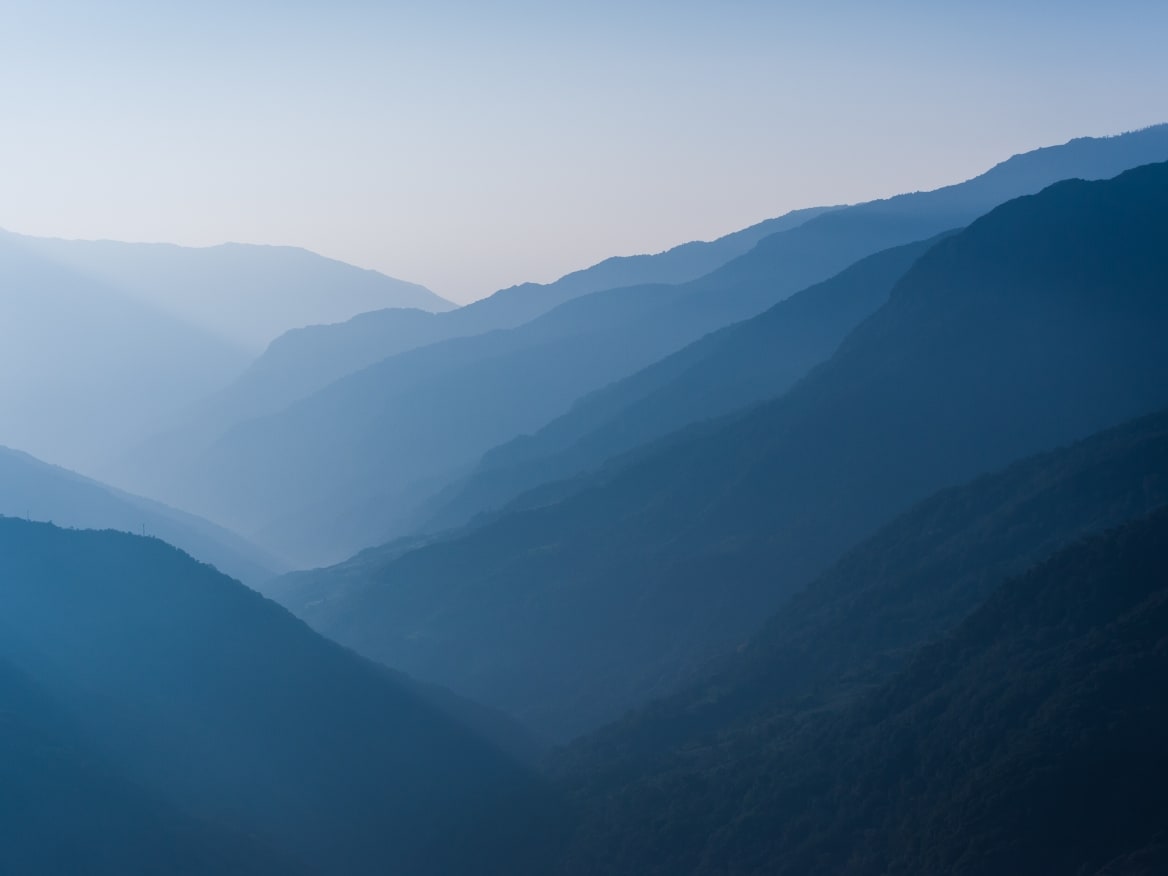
x=34 y=490
x=910 y=583
x=1028 y=741
x=729 y=369
x=64 y=811
x=1040 y=324
x=216 y=700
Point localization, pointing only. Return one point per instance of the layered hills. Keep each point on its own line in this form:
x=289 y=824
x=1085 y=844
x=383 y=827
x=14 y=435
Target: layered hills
x=245 y=294
x=1037 y=325
x=215 y=702
x=1025 y=740
x=106 y=343
x=34 y=490
x=836 y=545
x=726 y=370
x=910 y=583
x=304 y=360
x=348 y=466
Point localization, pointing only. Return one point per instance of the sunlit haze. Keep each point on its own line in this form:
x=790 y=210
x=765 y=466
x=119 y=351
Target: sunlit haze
x=468 y=147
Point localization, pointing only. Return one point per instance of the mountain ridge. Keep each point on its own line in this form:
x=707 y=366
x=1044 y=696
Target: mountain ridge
x=207 y=695
x=1024 y=740
x=378 y=443
x=714 y=529
x=248 y=294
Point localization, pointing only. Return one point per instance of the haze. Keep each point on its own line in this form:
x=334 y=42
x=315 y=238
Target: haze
x=468 y=149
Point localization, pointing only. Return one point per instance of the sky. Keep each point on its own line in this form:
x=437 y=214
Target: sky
x=470 y=146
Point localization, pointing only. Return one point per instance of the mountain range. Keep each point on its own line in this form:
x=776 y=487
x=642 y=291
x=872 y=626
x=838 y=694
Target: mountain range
x=1039 y=324
x=353 y=464
x=835 y=545
x=304 y=360
x=34 y=490
x=255 y=735
x=724 y=371
x=405 y=351
x=247 y=295
x=1024 y=740
x=158 y=328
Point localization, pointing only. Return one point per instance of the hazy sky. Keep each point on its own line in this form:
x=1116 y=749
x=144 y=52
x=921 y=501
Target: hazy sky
x=469 y=146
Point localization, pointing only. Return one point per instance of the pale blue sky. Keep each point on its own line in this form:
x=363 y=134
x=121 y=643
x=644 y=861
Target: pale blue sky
x=468 y=146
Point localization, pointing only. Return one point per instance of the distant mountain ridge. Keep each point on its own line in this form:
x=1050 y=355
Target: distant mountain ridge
x=1039 y=324
x=349 y=466
x=726 y=370
x=246 y=294
x=304 y=360
x=679 y=264
x=151 y=329
x=78 y=389
x=33 y=490
x=838 y=545
x=650 y=403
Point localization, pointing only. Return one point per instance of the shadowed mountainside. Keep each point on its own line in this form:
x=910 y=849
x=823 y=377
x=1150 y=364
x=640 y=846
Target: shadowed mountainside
x=1027 y=740
x=1038 y=325
x=729 y=369
x=307 y=360
x=221 y=704
x=64 y=810
x=347 y=467
x=911 y=582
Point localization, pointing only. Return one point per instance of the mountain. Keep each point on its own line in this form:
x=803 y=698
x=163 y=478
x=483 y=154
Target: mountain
x=599 y=426
x=246 y=295
x=1027 y=740
x=306 y=360
x=728 y=369
x=220 y=704
x=683 y=263
x=910 y=583
x=339 y=470
x=35 y=490
x=152 y=329
x=64 y=811
x=77 y=389
x=348 y=466
x=1039 y=324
